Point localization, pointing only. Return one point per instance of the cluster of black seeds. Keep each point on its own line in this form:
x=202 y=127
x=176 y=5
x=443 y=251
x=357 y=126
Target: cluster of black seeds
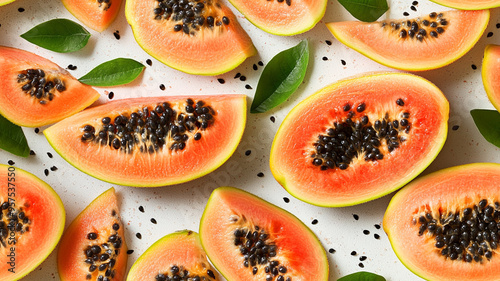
x=36 y=84
x=189 y=15
x=467 y=235
x=177 y=273
x=433 y=25
x=101 y=257
x=12 y=220
x=104 y=4
x=258 y=251
x=357 y=135
x=152 y=128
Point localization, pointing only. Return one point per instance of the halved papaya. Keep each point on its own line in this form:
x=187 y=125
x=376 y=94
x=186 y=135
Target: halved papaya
x=282 y=17
x=35 y=91
x=469 y=4
x=93 y=246
x=249 y=239
x=176 y=256
x=423 y=43
x=360 y=138
x=96 y=14
x=152 y=141
x=31 y=222
x=490 y=73
x=197 y=37
x=445 y=225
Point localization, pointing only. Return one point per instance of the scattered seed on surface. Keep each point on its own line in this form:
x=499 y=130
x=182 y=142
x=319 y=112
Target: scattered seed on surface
x=111 y=95
x=53 y=168
x=243 y=78
x=362 y=258
x=489 y=34
x=11 y=162
x=376 y=236
x=37 y=130
x=405 y=14
x=366 y=232
x=129 y=252
x=328 y=42
x=314 y=221
x=356 y=217
x=260 y=63
x=255 y=67
x=248 y=152
x=49 y=154
x=117 y=35
x=141 y=208
x=46 y=172
x=377 y=226
x=162 y=87
x=21 y=10
x=149 y=62
x=361 y=265
x=153 y=221
x=474 y=66
x=138 y=235
x=353 y=253
x=414 y=3
x=222 y=81
x=455 y=127
x=72 y=67
x=286 y=199
x=32 y=152
x=343 y=62
x=413 y=8
x=238 y=75
x=248 y=87
x=260 y=175
x=272 y=119
x=331 y=250
x=325 y=58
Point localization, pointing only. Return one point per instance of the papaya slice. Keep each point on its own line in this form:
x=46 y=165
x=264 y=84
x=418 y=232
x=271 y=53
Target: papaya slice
x=176 y=256
x=469 y=4
x=31 y=222
x=418 y=44
x=490 y=74
x=157 y=141
x=360 y=138
x=93 y=246
x=280 y=17
x=447 y=222
x=249 y=239
x=197 y=37
x=96 y=14
x=36 y=92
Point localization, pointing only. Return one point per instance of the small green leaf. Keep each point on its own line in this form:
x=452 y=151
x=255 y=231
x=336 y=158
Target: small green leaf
x=488 y=123
x=58 y=35
x=362 y=276
x=281 y=77
x=12 y=138
x=365 y=10
x=113 y=73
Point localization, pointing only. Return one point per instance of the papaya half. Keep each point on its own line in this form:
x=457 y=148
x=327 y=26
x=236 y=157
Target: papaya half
x=36 y=92
x=360 y=138
x=249 y=239
x=31 y=222
x=490 y=74
x=153 y=141
x=417 y=44
x=446 y=225
x=196 y=37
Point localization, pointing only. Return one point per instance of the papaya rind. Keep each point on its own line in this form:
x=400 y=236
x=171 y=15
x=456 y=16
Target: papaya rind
x=437 y=144
x=58 y=232
x=467 y=6
x=401 y=65
x=488 y=72
x=5 y=2
x=447 y=173
x=204 y=221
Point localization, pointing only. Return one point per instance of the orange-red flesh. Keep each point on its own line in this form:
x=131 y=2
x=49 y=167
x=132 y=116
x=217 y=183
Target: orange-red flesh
x=291 y=236
x=491 y=74
x=280 y=18
x=291 y=162
x=24 y=110
x=449 y=189
x=210 y=51
x=469 y=4
x=46 y=211
x=96 y=217
x=182 y=249
x=166 y=167
x=92 y=13
x=383 y=45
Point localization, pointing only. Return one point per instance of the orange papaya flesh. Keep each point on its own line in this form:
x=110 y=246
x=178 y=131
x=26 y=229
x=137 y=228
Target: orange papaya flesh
x=211 y=43
x=447 y=222
x=236 y=223
x=36 y=92
x=469 y=4
x=37 y=216
x=287 y=17
x=152 y=141
x=418 y=44
x=94 y=245
x=96 y=14
x=490 y=74
x=359 y=139
x=176 y=256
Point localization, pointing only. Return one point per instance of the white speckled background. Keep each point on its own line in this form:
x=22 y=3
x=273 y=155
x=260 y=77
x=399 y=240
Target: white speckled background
x=181 y=206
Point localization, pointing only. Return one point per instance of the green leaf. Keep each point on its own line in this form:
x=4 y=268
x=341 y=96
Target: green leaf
x=58 y=35
x=12 y=138
x=281 y=77
x=112 y=73
x=362 y=276
x=488 y=123
x=365 y=10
